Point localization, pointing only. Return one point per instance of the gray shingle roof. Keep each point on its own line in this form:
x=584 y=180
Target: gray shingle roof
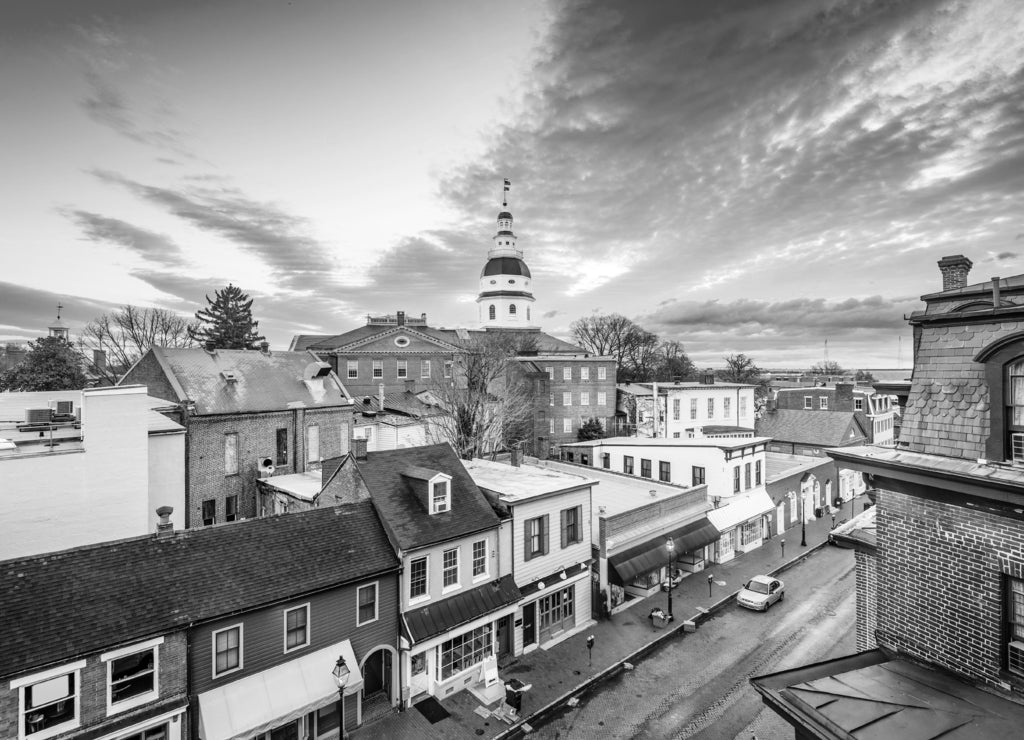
x=822 y=428
x=69 y=603
x=401 y=510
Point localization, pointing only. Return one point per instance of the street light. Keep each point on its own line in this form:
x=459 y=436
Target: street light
x=803 y=520
x=341 y=673
x=670 y=545
x=783 y=547
x=711 y=579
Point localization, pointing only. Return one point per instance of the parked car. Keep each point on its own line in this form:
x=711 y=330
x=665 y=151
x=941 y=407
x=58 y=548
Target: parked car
x=677 y=577
x=760 y=592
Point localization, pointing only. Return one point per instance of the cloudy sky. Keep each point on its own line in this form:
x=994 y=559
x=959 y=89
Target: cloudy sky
x=753 y=177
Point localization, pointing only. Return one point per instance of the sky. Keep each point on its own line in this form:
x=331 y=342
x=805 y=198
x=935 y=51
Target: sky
x=777 y=178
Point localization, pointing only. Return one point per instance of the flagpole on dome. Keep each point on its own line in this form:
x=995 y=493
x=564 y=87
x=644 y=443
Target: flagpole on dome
x=504 y=195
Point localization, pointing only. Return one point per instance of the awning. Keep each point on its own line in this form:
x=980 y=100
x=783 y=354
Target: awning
x=739 y=509
x=434 y=619
x=652 y=554
x=265 y=700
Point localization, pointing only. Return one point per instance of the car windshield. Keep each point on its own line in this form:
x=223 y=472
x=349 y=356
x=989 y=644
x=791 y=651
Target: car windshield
x=757 y=587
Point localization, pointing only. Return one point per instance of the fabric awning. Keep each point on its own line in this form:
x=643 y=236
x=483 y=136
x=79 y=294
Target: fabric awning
x=739 y=509
x=652 y=554
x=265 y=700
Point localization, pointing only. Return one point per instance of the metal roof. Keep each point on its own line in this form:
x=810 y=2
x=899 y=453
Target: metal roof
x=447 y=614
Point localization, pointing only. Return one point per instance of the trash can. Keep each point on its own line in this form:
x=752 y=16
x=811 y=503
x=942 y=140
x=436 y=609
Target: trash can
x=819 y=512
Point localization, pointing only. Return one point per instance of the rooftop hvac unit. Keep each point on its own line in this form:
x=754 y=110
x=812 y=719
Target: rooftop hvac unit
x=264 y=467
x=42 y=416
x=1017 y=448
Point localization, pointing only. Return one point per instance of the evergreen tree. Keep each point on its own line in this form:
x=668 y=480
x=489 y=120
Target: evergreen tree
x=227 y=321
x=590 y=429
x=50 y=365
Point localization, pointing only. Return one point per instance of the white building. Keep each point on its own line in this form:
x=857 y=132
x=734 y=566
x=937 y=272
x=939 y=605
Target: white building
x=506 y=296
x=689 y=410
x=546 y=532
x=80 y=467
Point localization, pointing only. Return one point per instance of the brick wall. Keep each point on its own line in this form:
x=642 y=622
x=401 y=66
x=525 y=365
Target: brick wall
x=939 y=582
x=867 y=600
x=149 y=373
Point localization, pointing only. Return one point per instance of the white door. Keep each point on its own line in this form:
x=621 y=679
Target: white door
x=780 y=518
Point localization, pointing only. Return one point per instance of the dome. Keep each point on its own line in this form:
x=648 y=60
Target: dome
x=505 y=266
x=505 y=214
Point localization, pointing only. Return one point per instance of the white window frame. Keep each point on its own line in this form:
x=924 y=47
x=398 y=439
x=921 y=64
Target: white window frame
x=448 y=365
x=808 y=402
x=240 y=626
x=426 y=581
x=693 y=408
x=434 y=509
x=822 y=403
x=743 y=407
x=551 y=372
x=567 y=399
x=584 y=373
x=551 y=425
x=482 y=575
x=402 y=369
x=602 y=373
x=602 y=398
x=567 y=373
x=284 y=627
x=109 y=658
x=584 y=398
x=727 y=407
x=376 y=603
x=711 y=408
x=566 y=425
x=37 y=678
x=858 y=404
x=351 y=369
x=677 y=408
x=424 y=368
x=444 y=569
x=378 y=370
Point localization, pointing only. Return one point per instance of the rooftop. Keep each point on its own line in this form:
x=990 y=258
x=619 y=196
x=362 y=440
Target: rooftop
x=981 y=471
x=724 y=443
x=515 y=484
x=821 y=428
x=780 y=465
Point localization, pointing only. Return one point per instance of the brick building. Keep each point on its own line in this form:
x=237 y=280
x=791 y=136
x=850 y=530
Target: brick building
x=247 y=414
x=946 y=650
x=874 y=411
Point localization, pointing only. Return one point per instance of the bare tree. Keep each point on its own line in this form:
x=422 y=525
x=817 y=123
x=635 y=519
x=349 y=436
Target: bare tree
x=828 y=367
x=127 y=333
x=488 y=404
x=673 y=362
x=635 y=349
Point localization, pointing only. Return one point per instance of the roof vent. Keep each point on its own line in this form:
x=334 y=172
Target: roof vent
x=316 y=370
x=653 y=493
x=210 y=346
x=229 y=375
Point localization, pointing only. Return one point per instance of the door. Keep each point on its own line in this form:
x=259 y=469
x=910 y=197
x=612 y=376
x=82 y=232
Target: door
x=387 y=675
x=780 y=518
x=505 y=636
x=529 y=626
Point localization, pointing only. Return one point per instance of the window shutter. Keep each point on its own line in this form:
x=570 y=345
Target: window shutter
x=565 y=530
x=579 y=523
x=545 y=531
x=527 y=553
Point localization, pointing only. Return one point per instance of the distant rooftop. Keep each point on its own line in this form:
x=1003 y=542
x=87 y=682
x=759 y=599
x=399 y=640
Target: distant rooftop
x=725 y=443
x=516 y=484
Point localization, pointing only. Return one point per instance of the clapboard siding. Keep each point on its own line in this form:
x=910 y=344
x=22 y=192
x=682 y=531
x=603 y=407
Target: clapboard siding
x=332 y=618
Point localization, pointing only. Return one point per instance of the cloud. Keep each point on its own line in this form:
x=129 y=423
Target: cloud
x=151 y=246
x=27 y=312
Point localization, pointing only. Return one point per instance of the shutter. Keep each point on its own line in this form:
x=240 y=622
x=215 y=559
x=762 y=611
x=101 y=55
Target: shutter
x=579 y=523
x=565 y=530
x=527 y=555
x=545 y=534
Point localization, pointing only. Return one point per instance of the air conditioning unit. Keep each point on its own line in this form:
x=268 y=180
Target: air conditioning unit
x=264 y=467
x=66 y=408
x=229 y=375
x=37 y=416
x=1015 y=656
x=1017 y=448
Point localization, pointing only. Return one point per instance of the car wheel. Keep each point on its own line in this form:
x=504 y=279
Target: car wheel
x=782 y=596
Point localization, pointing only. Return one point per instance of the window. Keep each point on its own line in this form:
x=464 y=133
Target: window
x=227 y=650
x=402 y=369
x=424 y=368
x=736 y=479
x=448 y=368
x=492 y=312
x=584 y=398
x=378 y=368
x=858 y=404
x=572 y=532
x=606 y=460
x=584 y=373
x=556 y=613
x=693 y=408
x=757 y=472
x=231 y=454
x=566 y=426
x=132 y=675
x=726 y=407
x=465 y=651
x=567 y=399
x=746 y=475
x=536 y=537
x=551 y=425
x=450 y=568
x=698 y=476
x=627 y=464
x=209 y=512
x=808 y=402
x=645 y=468
x=711 y=408
x=49 y=701
x=296 y=627
x=676 y=408
x=566 y=373
x=352 y=369
x=602 y=373
x=743 y=406
x=584 y=458
x=551 y=372
x=664 y=471
x=551 y=399
x=159 y=732
x=313 y=443
x=418 y=578
x=569 y=455
x=822 y=402
x=281 y=456
x=511 y=309
x=480 y=558
x=602 y=398
x=751 y=532
x=230 y=508
x=439 y=497
x=1013 y=607
x=366 y=596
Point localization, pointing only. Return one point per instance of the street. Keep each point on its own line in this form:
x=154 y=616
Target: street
x=698 y=686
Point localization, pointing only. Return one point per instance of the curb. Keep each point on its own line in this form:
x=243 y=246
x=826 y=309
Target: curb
x=518 y=731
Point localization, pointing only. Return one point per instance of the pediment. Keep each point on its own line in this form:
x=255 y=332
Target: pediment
x=408 y=340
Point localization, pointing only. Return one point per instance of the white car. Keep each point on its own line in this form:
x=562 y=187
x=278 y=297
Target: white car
x=760 y=592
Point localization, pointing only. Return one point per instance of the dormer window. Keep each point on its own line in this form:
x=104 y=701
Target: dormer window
x=440 y=496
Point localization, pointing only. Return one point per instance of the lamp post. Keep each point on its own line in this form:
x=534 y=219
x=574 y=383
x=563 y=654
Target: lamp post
x=803 y=520
x=341 y=673
x=783 y=543
x=711 y=579
x=670 y=545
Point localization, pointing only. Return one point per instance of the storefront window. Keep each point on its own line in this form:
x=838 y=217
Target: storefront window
x=465 y=651
x=751 y=532
x=557 y=612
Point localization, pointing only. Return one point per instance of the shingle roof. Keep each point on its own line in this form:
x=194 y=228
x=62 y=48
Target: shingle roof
x=402 y=402
x=263 y=381
x=302 y=342
x=402 y=511
x=822 y=428
x=64 y=604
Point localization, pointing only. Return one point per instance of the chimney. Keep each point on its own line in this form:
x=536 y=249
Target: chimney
x=410 y=385
x=99 y=359
x=423 y=318
x=995 y=292
x=359 y=448
x=380 y=395
x=210 y=346
x=954 y=269
x=401 y=318
x=265 y=347
x=707 y=377
x=516 y=457
x=844 y=397
x=164 y=528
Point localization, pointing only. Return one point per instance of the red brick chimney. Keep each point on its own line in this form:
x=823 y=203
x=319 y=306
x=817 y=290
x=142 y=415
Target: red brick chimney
x=359 y=448
x=954 y=269
x=844 y=397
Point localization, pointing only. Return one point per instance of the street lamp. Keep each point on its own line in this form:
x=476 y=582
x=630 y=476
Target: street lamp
x=803 y=520
x=670 y=545
x=783 y=547
x=341 y=673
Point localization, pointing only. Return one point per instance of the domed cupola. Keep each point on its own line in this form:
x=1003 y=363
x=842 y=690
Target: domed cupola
x=506 y=296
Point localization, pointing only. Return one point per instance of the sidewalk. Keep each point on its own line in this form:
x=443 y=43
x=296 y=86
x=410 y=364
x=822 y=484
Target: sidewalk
x=562 y=671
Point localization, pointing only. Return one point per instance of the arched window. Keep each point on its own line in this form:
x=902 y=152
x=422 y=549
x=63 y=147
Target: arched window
x=512 y=309
x=1015 y=409
x=491 y=312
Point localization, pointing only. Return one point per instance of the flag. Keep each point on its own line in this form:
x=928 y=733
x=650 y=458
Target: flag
x=508 y=184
